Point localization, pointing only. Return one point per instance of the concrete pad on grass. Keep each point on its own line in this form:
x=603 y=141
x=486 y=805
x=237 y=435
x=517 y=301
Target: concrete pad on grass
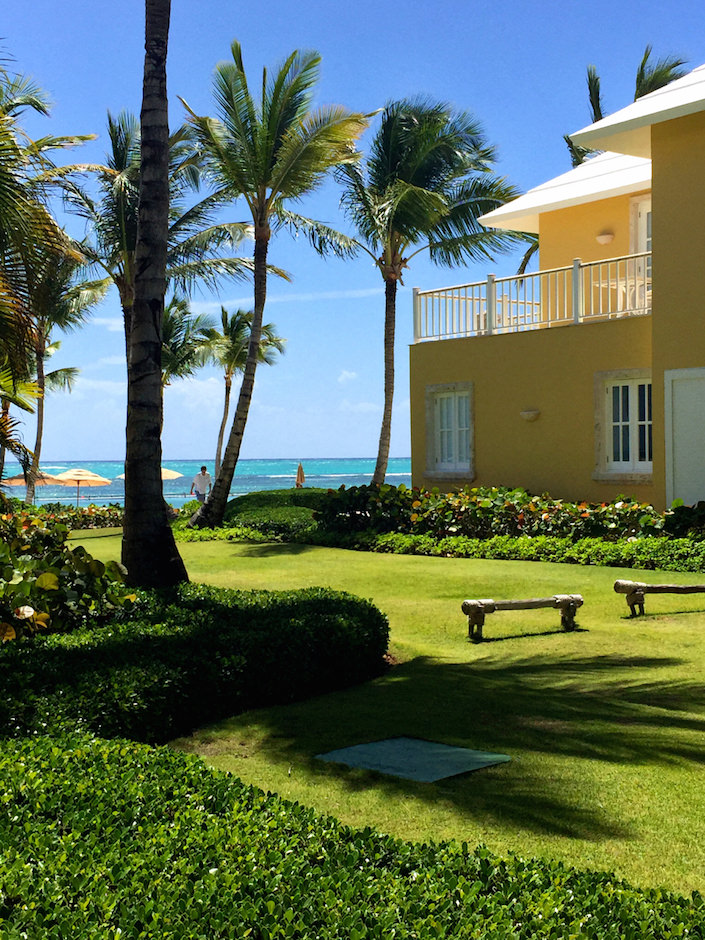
x=413 y=759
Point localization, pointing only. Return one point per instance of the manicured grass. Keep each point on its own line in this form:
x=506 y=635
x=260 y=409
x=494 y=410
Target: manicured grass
x=604 y=726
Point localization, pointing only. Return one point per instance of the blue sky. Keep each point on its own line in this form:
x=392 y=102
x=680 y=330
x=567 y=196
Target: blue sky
x=519 y=67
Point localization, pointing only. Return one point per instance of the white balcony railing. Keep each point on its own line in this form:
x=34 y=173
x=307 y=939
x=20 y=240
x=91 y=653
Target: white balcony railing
x=578 y=293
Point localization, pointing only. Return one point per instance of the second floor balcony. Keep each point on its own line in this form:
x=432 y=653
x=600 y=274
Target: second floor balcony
x=578 y=293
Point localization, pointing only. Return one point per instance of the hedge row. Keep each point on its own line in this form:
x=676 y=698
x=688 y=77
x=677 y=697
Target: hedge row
x=106 y=839
x=193 y=656
x=647 y=553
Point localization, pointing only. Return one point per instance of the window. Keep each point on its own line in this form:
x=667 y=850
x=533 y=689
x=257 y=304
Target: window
x=449 y=428
x=628 y=425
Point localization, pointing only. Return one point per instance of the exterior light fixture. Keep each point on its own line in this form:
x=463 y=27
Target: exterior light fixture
x=604 y=238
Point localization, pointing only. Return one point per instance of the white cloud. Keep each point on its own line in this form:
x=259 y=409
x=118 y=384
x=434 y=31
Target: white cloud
x=98 y=388
x=111 y=324
x=105 y=361
x=358 y=407
x=346 y=376
x=311 y=297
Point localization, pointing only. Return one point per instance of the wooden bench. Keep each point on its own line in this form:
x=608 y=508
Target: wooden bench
x=476 y=610
x=635 y=591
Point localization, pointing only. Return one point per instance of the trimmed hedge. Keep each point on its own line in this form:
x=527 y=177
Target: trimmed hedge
x=195 y=655
x=647 y=553
x=110 y=839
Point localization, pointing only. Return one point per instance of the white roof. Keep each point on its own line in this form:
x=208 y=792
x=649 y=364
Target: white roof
x=608 y=174
x=629 y=130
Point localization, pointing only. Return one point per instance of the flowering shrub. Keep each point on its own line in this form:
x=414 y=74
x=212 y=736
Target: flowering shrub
x=482 y=512
x=45 y=585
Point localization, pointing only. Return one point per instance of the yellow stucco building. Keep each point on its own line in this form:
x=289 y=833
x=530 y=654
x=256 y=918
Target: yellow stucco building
x=585 y=379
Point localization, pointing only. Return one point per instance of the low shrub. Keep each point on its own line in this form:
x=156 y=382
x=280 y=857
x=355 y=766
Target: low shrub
x=189 y=656
x=45 y=585
x=647 y=553
x=105 y=839
x=482 y=512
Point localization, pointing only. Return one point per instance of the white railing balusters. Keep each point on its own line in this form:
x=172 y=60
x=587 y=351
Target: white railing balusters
x=577 y=293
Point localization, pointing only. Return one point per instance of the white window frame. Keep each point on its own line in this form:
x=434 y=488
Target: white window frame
x=630 y=427
x=457 y=437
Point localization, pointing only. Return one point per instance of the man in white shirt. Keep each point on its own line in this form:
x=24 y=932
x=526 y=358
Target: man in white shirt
x=201 y=485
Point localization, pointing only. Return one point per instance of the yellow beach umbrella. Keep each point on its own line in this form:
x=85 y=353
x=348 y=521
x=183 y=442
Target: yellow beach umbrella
x=167 y=474
x=79 y=477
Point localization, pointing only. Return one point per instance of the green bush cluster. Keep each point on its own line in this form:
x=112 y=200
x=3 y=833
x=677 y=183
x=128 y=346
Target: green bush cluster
x=73 y=517
x=106 y=839
x=45 y=585
x=286 y=515
x=482 y=512
x=648 y=552
x=196 y=654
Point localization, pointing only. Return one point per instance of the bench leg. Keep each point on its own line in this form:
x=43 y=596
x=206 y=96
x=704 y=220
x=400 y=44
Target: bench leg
x=636 y=600
x=568 y=617
x=475 y=624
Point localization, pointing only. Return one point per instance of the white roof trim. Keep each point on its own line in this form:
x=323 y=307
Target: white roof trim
x=600 y=177
x=629 y=130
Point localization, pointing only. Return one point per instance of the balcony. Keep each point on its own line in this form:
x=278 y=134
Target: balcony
x=578 y=293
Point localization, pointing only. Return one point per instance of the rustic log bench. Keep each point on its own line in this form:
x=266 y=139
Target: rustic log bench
x=477 y=609
x=635 y=591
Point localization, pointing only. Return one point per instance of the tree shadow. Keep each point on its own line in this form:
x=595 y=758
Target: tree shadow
x=273 y=549
x=587 y=708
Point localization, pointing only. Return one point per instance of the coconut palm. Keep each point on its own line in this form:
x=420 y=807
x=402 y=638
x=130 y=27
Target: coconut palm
x=149 y=551
x=185 y=342
x=228 y=349
x=422 y=188
x=650 y=76
x=197 y=246
x=272 y=152
x=28 y=233
x=58 y=299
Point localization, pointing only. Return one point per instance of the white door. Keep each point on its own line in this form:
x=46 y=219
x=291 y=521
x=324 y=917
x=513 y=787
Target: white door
x=685 y=435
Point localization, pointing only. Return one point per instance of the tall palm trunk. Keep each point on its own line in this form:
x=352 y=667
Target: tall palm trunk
x=41 y=389
x=213 y=510
x=224 y=422
x=4 y=416
x=390 y=308
x=148 y=549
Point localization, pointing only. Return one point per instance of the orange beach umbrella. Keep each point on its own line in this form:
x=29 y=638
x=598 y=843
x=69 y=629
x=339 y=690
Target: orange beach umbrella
x=300 y=476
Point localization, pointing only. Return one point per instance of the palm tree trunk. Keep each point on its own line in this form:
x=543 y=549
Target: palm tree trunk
x=390 y=305
x=4 y=413
x=212 y=512
x=223 y=424
x=41 y=388
x=148 y=549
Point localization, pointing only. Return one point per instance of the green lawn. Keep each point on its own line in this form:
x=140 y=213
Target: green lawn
x=604 y=726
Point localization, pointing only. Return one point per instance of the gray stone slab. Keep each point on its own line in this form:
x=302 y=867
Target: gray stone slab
x=414 y=759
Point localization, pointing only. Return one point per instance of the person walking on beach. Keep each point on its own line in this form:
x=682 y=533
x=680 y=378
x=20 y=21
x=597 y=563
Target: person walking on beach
x=202 y=485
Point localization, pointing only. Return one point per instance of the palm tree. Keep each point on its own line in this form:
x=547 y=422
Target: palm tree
x=185 y=342
x=650 y=76
x=196 y=243
x=28 y=233
x=148 y=548
x=424 y=186
x=57 y=300
x=270 y=151
x=228 y=349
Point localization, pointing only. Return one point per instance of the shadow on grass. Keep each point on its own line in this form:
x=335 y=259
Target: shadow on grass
x=528 y=635
x=272 y=549
x=591 y=708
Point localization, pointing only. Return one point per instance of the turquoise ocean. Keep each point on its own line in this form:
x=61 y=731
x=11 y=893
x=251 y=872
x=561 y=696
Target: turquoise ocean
x=250 y=476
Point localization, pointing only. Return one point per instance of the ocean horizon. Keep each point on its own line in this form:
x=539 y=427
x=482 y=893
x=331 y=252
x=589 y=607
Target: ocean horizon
x=250 y=476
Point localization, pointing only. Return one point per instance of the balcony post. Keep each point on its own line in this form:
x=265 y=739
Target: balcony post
x=417 y=314
x=490 y=305
x=578 y=297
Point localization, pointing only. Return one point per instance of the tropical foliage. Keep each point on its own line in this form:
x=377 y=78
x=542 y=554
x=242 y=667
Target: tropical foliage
x=271 y=152
x=422 y=188
x=228 y=349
